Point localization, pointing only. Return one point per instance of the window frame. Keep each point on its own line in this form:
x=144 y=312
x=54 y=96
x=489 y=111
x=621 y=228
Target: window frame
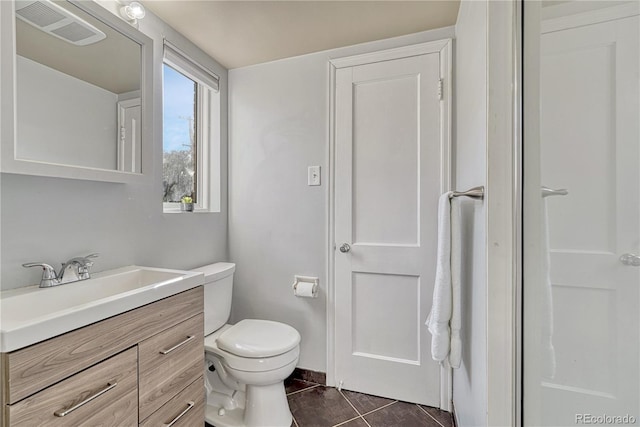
x=207 y=134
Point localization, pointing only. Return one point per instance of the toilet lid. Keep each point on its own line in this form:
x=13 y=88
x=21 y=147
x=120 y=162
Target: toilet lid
x=258 y=338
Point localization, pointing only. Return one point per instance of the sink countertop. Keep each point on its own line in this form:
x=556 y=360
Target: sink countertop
x=31 y=314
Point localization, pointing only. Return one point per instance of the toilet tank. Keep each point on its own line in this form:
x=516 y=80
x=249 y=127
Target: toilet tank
x=218 y=289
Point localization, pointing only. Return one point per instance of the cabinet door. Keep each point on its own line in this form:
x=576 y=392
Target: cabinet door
x=103 y=395
x=169 y=362
x=185 y=409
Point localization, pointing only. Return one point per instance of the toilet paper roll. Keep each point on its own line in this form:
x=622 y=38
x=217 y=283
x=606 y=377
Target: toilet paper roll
x=305 y=289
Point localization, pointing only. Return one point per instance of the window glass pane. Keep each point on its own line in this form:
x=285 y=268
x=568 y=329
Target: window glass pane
x=179 y=136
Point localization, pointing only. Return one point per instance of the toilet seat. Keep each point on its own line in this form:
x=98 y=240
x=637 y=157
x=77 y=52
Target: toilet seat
x=249 y=364
x=258 y=338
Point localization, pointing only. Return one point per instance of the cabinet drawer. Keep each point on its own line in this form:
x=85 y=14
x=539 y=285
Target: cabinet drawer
x=105 y=394
x=185 y=409
x=169 y=361
x=33 y=368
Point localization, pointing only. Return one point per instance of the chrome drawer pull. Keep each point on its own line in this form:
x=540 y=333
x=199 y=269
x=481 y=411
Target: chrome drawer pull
x=63 y=412
x=181 y=414
x=180 y=344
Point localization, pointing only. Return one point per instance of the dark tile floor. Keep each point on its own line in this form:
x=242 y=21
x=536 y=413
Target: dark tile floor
x=314 y=405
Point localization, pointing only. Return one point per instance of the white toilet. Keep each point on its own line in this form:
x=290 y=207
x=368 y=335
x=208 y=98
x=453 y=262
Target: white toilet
x=246 y=363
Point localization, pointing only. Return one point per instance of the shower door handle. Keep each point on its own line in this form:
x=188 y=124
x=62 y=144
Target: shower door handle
x=630 y=259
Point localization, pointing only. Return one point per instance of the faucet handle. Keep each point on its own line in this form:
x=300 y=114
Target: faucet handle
x=87 y=259
x=83 y=270
x=49 y=276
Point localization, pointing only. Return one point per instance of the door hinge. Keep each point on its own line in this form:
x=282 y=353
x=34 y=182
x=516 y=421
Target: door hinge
x=440 y=89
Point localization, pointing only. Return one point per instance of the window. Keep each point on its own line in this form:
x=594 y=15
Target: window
x=190 y=133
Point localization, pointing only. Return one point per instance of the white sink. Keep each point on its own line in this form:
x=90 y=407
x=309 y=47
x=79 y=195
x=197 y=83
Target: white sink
x=32 y=314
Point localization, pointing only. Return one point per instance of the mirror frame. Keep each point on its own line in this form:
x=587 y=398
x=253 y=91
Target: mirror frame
x=8 y=161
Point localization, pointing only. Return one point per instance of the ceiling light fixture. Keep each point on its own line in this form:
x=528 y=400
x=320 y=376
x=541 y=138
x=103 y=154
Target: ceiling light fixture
x=133 y=11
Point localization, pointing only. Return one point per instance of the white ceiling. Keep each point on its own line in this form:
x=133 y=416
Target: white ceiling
x=240 y=33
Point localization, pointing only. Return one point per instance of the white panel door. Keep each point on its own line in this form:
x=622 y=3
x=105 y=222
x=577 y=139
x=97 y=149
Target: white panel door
x=129 y=138
x=590 y=145
x=388 y=170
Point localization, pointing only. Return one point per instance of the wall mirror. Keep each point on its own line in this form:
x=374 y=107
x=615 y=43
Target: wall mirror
x=82 y=93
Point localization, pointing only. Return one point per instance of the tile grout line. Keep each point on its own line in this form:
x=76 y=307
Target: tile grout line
x=432 y=417
x=354 y=408
x=294 y=421
x=304 y=389
x=348 y=421
x=377 y=409
x=349 y=402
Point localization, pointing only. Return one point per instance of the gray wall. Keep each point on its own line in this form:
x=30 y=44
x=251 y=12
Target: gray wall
x=67 y=109
x=470 y=136
x=278 y=126
x=51 y=219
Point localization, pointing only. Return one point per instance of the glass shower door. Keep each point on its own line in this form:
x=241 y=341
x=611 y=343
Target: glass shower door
x=581 y=213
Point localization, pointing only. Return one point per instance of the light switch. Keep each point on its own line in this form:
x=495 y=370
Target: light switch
x=313 y=175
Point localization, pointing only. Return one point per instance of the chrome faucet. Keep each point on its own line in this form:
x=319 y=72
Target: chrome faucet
x=74 y=270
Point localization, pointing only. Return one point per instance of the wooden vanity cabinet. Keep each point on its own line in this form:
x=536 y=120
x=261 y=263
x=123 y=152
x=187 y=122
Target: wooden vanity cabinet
x=169 y=362
x=144 y=364
x=105 y=394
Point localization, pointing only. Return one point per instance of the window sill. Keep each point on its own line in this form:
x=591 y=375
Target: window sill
x=195 y=211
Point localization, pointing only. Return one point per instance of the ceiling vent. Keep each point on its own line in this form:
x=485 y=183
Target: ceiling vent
x=53 y=19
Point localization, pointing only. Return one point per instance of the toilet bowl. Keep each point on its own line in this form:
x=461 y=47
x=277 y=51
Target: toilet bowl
x=253 y=357
x=246 y=363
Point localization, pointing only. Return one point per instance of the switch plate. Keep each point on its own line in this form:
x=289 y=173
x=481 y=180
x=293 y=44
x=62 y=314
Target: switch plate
x=313 y=175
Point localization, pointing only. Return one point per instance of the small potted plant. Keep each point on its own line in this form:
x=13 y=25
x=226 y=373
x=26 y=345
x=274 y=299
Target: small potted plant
x=186 y=204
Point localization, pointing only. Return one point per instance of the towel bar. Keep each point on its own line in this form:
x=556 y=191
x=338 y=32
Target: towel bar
x=478 y=192
x=475 y=192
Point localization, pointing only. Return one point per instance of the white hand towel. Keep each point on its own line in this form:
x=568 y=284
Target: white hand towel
x=438 y=320
x=456 y=318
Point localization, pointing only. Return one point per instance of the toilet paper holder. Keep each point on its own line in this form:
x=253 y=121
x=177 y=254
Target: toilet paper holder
x=305 y=286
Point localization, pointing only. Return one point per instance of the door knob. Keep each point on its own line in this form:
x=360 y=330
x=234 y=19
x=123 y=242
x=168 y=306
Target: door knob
x=630 y=259
x=344 y=248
